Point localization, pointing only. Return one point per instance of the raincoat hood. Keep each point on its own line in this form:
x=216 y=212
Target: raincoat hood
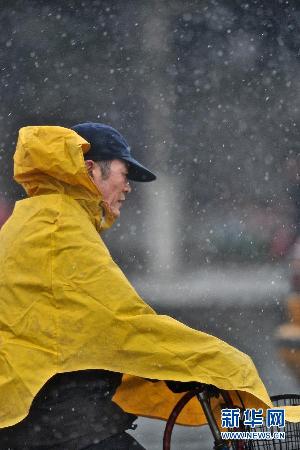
x=66 y=306
x=49 y=159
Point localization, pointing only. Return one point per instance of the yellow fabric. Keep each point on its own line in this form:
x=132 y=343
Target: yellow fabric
x=66 y=306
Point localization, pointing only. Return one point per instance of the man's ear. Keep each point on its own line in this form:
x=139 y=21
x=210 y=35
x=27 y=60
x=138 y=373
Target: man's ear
x=89 y=164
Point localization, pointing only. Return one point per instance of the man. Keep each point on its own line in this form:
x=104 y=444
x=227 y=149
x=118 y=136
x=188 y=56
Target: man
x=74 y=410
x=70 y=322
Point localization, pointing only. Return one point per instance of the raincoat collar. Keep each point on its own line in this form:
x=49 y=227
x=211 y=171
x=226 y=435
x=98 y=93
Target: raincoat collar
x=49 y=159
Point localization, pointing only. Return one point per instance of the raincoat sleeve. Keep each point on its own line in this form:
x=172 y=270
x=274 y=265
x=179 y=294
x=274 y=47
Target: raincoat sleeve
x=103 y=323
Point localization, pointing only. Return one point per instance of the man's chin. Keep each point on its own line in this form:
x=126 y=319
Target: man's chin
x=116 y=212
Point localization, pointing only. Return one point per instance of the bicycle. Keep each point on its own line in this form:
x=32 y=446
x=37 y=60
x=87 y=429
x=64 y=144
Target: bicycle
x=204 y=393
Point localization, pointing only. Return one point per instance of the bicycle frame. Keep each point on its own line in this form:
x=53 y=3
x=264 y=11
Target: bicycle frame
x=203 y=394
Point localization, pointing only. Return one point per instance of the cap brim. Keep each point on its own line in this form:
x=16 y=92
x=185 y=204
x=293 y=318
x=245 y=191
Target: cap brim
x=137 y=172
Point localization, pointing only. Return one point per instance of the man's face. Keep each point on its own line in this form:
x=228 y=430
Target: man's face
x=115 y=187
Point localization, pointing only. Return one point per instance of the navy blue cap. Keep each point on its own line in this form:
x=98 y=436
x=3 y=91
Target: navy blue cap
x=106 y=144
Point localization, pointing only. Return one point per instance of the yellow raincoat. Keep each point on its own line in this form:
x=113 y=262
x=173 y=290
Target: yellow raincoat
x=66 y=306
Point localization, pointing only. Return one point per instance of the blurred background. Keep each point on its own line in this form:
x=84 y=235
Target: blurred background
x=207 y=94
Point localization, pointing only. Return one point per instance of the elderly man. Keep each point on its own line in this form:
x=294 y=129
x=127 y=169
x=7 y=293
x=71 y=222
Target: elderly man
x=73 y=410
x=70 y=322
